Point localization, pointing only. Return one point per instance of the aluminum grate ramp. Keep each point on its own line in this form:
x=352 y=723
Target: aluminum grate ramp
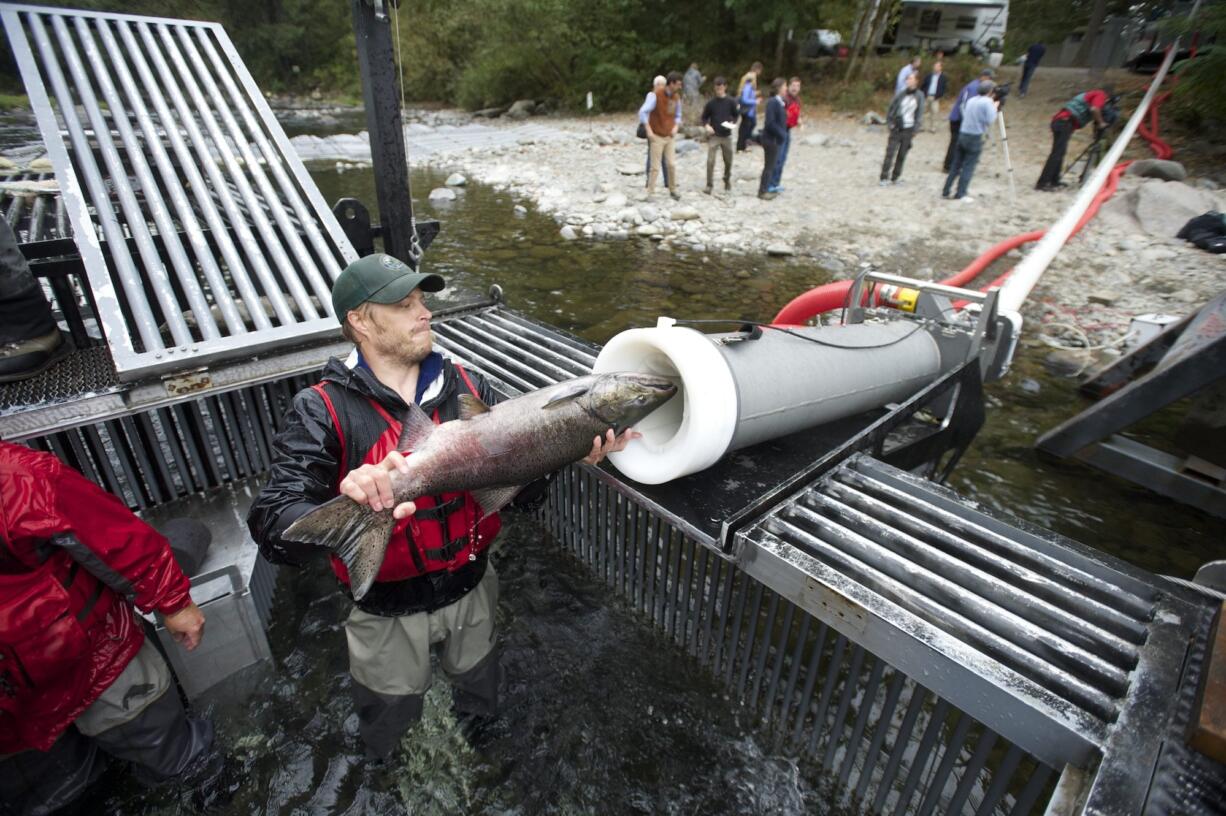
x=202 y=234
x=1069 y=654
x=884 y=738
x=1005 y=670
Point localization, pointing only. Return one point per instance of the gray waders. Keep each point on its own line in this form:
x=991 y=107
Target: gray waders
x=139 y=719
x=389 y=659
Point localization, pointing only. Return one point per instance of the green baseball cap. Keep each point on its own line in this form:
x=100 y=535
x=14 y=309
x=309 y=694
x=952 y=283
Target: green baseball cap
x=379 y=278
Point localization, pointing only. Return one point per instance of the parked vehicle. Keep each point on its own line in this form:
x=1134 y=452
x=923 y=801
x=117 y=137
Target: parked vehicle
x=974 y=26
x=820 y=42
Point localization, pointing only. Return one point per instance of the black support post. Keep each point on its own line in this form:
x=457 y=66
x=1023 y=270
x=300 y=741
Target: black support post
x=381 y=93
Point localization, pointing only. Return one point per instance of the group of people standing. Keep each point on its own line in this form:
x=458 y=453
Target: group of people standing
x=917 y=99
x=661 y=116
x=973 y=112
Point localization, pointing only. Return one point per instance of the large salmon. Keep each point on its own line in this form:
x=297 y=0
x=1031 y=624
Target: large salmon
x=490 y=452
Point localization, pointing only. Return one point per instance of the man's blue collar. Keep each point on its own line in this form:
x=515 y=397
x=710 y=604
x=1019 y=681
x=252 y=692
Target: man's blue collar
x=428 y=372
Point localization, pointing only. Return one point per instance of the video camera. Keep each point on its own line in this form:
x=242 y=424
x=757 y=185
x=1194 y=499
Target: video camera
x=999 y=92
x=1111 y=110
x=1111 y=115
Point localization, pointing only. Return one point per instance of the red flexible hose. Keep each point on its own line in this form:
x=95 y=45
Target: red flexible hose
x=832 y=296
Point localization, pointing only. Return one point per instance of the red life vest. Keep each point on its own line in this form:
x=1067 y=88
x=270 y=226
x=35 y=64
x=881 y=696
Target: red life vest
x=446 y=533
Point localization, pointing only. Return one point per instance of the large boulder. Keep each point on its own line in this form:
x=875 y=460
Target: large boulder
x=1163 y=207
x=1159 y=169
x=1155 y=207
x=521 y=109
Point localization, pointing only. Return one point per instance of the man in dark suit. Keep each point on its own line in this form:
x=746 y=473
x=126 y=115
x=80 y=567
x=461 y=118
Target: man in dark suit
x=1033 y=54
x=934 y=87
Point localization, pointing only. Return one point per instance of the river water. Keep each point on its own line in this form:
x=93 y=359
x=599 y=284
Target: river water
x=602 y=714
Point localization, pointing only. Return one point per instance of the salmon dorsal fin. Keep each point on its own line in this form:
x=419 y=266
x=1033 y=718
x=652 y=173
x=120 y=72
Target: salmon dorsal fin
x=416 y=426
x=567 y=395
x=471 y=406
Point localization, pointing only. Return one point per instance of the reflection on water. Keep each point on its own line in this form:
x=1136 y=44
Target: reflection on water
x=593 y=289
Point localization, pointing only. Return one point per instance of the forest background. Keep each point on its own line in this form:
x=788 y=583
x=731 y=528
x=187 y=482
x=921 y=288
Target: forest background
x=482 y=53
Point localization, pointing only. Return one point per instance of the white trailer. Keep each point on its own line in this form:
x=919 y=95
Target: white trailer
x=950 y=24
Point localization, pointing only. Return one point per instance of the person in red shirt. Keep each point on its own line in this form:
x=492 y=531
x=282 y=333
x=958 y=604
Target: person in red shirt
x=792 y=101
x=76 y=671
x=1073 y=115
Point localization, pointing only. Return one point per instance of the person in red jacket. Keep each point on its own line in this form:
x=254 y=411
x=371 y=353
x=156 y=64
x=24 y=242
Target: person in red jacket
x=791 y=102
x=76 y=672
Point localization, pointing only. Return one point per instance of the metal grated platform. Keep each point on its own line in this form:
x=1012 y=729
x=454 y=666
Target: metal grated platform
x=883 y=737
x=34 y=216
x=1070 y=654
x=200 y=230
x=85 y=371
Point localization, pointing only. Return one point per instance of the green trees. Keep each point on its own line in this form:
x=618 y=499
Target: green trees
x=1199 y=89
x=478 y=53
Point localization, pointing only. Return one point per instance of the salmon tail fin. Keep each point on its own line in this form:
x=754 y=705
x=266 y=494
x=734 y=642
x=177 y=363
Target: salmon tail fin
x=353 y=532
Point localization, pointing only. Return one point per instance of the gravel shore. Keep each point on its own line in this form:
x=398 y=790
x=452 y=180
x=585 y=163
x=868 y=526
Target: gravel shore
x=589 y=177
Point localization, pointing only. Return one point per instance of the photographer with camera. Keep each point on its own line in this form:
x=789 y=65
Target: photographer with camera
x=1075 y=114
x=977 y=117
x=969 y=91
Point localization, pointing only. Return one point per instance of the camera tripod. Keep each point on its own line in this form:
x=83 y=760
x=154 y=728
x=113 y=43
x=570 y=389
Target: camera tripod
x=1090 y=157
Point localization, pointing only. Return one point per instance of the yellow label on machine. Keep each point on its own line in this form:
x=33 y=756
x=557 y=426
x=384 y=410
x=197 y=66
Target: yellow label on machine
x=897 y=297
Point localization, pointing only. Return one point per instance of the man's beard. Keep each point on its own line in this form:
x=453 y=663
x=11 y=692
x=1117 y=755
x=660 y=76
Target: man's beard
x=403 y=347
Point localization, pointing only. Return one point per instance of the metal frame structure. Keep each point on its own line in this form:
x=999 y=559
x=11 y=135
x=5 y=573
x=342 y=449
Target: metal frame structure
x=1186 y=358
x=201 y=232
x=927 y=657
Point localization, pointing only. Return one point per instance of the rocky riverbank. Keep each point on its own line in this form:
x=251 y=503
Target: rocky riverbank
x=590 y=177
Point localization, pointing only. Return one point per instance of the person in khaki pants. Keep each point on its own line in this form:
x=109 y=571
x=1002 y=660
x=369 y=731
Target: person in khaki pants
x=435 y=586
x=934 y=88
x=720 y=111
x=663 y=112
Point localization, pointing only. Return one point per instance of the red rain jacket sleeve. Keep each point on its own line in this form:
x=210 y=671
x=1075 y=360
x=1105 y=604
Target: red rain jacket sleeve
x=107 y=539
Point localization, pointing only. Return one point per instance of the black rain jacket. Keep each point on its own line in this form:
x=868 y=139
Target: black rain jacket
x=306 y=469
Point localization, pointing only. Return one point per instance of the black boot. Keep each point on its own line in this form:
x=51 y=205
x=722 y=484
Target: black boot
x=30 y=342
x=22 y=359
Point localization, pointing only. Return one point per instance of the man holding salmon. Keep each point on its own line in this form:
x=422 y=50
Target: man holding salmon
x=416 y=563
